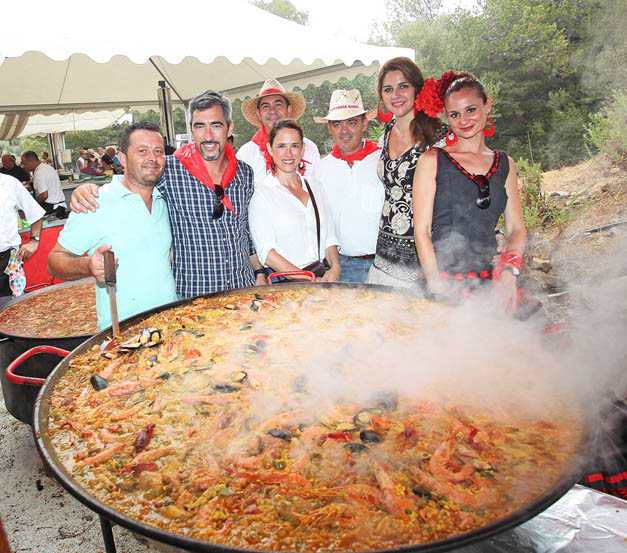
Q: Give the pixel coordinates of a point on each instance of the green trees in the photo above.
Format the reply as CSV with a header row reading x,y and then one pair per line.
x,y
548,64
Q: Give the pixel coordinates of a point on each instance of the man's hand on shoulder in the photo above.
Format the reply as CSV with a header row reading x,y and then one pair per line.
x,y
83,198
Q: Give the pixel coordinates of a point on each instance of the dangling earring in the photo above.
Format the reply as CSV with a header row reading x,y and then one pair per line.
x,y
384,117
489,131
451,138
273,168
301,167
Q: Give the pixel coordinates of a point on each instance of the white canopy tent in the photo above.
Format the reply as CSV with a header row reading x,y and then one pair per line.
x,y
16,125
80,58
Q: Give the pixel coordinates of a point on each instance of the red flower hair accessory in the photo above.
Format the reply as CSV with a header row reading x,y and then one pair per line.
x,y
431,96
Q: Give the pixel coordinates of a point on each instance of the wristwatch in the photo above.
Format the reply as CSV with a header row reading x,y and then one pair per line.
x,y
515,270
35,238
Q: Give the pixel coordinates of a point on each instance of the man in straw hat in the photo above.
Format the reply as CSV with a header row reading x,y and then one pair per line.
x,y
264,110
349,175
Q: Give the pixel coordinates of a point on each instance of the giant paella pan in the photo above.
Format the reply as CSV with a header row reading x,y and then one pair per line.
x,y
306,417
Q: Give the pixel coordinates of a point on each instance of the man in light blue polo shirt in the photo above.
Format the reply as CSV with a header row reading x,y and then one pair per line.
x,y
133,222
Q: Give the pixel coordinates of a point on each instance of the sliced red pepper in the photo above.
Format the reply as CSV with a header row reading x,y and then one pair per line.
x,y
337,436
143,438
411,435
192,355
471,437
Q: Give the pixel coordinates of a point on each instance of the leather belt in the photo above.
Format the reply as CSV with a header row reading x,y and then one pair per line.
x,y
369,256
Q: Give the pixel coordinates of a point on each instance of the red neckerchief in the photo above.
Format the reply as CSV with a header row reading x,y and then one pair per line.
x,y
369,147
191,159
261,139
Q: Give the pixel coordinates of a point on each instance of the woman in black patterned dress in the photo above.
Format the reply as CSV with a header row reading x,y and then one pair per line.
x,y
406,137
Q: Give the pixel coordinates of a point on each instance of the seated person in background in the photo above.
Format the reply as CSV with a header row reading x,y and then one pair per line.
x,y
108,164
45,158
133,221
46,184
460,191
9,167
91,164
292,237
82,161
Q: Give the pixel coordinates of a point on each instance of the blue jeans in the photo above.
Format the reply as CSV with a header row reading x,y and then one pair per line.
x,y
353,269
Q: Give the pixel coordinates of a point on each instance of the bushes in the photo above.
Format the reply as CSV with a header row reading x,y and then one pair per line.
x,y
539,209
606,132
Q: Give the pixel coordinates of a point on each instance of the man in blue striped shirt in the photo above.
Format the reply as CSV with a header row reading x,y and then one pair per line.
x,y
208,192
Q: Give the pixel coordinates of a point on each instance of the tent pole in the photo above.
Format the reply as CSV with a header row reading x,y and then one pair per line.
x,y
166,80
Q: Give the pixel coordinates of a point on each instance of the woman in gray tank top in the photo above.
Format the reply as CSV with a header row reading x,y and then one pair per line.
x,y
460,191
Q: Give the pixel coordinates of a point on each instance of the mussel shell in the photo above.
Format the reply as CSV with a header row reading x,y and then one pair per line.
x,y
300,384
239,376
164,376
281,434
108,355
153,360
132,343
98,382
337,426
225,388
417,490
363,418
254,306
387,400
203,408
370,437
356,447
246,326
191,381
257,450
135,398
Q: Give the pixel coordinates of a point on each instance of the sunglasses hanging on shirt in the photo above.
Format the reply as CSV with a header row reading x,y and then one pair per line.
x,y
482,181
218,207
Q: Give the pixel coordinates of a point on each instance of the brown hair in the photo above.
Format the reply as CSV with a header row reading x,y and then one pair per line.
x,y
466,80
424,129
285,124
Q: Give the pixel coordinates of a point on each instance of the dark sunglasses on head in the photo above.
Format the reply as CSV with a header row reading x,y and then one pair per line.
x,y
218,207
483,201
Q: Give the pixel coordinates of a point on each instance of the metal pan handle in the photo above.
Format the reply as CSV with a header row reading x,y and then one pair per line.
x,y
292,273
17,379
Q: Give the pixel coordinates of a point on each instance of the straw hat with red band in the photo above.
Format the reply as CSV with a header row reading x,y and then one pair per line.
x,y
345,104
269,88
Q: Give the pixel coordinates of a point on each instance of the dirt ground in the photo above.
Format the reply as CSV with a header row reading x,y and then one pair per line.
x,y
591,249
41,517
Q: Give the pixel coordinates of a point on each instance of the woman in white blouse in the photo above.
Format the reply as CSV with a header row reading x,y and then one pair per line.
x,y
281,215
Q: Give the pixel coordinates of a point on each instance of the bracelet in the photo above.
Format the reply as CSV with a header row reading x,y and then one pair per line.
x,y
260,272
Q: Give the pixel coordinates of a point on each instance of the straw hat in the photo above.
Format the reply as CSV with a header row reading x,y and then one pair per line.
x,y
345,104
270,87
